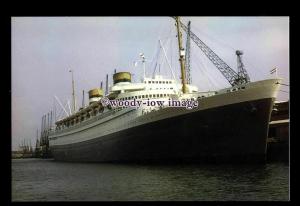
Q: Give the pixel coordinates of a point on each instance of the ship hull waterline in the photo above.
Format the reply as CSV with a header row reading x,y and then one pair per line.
x,y
231,133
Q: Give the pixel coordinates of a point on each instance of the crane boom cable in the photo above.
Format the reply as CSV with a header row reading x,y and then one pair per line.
x,y
206,73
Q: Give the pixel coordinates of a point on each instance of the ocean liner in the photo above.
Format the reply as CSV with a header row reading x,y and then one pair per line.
x,y
230,124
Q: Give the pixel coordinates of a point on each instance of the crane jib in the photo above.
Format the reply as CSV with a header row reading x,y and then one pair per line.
x,y
232,77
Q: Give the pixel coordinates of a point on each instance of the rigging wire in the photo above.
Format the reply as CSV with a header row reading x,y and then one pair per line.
x,y
172,55
155,59
211,37
249,66
205,72
208,81
203,69
211,71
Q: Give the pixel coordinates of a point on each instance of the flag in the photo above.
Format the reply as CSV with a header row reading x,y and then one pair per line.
x,y
273,71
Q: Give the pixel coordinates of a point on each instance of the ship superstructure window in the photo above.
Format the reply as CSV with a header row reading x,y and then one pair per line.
x,y
149,82
143,96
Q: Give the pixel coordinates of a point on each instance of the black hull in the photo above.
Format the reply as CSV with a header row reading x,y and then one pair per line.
x,y
236,132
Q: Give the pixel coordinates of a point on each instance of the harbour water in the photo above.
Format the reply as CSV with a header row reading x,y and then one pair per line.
x,y
48,180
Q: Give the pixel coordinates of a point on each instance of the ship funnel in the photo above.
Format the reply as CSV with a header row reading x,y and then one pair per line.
x,y
122,77
95,95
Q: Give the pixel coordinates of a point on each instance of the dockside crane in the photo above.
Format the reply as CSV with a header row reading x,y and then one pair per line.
x,y
241,68
233,77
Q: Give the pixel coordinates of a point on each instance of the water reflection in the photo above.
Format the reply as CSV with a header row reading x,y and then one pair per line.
x,y
50,180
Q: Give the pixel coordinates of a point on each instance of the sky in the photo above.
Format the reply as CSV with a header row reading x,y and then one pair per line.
x,y
44,49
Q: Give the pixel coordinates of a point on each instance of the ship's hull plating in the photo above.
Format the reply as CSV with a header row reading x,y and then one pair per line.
x,y
235,132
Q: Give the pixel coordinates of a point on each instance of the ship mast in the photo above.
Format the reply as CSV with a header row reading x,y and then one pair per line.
x,y
181,55
73,93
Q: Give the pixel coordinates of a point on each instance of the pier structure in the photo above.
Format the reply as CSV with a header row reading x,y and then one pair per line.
x,y
278,137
